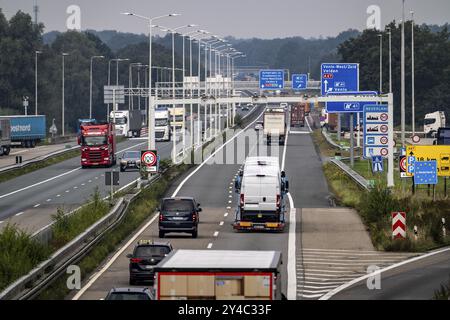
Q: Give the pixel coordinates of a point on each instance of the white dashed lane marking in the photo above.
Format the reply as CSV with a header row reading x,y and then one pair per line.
x,y
221,223
48,200
36,205
209,245
216,233
19,214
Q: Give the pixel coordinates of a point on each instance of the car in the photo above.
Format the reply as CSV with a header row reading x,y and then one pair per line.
x,y
258,126
179,214
130,159
139,294
145,256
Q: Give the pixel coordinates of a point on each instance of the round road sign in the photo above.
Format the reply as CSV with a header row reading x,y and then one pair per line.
x,y
403,164
149,158
415,139
384,128
384,140
384,152
383,117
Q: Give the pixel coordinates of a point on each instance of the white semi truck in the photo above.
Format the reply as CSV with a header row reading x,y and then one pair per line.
x,y
432,122
128,122
162,125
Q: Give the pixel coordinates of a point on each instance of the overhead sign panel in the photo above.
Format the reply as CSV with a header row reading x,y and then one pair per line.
x,y
271,79
348,107
439,153
376,130
299,81
110,91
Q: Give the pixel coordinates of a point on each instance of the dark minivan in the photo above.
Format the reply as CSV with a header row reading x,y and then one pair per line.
x,y
179,214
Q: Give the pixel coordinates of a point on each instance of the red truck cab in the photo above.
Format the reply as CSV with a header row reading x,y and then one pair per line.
x,y
98,145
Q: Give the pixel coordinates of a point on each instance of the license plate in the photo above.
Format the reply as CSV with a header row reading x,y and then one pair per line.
x,y
178,218
259,227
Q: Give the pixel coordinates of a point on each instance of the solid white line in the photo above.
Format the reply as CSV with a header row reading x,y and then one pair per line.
x,y
113,259
314,259
209,245
339,250
36,205
133,239
307,122
378,272
340,255
20,213
216,234
207,159
55,177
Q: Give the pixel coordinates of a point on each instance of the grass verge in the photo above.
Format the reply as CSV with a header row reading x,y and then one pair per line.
x,y
141,209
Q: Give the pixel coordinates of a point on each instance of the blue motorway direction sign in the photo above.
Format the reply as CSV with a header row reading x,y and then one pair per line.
x,y
350,107
299,81
377,164
339,77
425,172
271,79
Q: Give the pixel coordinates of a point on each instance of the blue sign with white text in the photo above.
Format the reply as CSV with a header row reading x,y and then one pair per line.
x,y
299,81
348,107
425,172
339,77
271,79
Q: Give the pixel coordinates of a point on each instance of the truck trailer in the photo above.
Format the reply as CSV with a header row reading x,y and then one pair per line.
x,y
275,125
128,122
27,131
219,275
298,115
5,137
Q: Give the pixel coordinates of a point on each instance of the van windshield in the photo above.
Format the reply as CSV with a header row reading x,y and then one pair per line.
x,y
177,205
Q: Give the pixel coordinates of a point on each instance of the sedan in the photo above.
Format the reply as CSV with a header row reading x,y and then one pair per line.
x,y
130,159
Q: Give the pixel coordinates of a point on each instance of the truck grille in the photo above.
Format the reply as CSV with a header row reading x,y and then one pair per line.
x,y
95,156
159,134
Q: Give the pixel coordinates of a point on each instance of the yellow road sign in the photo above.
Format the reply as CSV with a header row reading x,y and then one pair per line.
x,y
440,153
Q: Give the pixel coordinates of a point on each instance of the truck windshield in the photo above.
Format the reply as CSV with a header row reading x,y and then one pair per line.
x,y
121,120
161,122
429,121
94,141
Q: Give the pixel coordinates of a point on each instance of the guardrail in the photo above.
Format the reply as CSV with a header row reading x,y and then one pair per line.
x,y
37,159
361,181
30,285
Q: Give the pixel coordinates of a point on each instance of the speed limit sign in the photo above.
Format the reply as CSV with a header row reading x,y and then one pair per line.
x,y
149,159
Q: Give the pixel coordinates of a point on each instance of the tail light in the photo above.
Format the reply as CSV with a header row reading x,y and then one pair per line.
x,y
135,260
278,201
242,199
194,217
161,217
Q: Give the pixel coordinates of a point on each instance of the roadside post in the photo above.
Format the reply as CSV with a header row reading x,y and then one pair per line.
x,y
112,178
398,225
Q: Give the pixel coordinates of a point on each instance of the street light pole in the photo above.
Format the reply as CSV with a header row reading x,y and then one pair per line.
x,y
390,59
62,111
413,121
36,82
90,86
381,62
402,111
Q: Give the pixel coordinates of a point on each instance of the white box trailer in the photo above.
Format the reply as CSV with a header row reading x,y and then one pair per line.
x,y
219,275
275,125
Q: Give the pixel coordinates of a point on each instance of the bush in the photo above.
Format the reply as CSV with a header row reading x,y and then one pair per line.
x,y
19,254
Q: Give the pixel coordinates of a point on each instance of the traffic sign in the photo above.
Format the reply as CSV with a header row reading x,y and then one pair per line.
x,y
299,81
339,77
415,138
149,159
425,172
271,79
402,164
399,225
110,91
439,153
348,107
377,164
376,130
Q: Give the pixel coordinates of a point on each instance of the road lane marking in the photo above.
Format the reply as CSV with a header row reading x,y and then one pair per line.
x,y
48,200
209,245
230,201
228,208
221,223
216,234
58,195
58,176
67,191
90,181
75,187
36,205
83,184
20,213
1,222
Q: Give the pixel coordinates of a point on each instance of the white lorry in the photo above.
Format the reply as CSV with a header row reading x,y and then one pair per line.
x,y
275,124
162,125
432,122
128,122
262,188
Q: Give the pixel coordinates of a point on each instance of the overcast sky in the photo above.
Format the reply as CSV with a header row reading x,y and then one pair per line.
x,y
238,18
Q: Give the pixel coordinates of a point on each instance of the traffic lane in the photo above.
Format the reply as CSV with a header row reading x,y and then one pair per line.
x,y
66,193
307,184
413,281
117,275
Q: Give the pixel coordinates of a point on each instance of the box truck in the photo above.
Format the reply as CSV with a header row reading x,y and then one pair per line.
x,y
219,275
128,122
26,131
275,125
298,115
5,137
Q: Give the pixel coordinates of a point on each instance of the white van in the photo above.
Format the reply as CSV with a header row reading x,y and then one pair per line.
x,y
261,189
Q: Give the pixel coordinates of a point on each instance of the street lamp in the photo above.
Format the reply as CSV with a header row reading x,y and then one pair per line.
x,y
381,62
412,73
36,81
90,87
130,84
402,100
390,58
151,110
62,113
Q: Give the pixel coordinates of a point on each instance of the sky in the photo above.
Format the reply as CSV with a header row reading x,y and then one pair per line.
x,y
265,19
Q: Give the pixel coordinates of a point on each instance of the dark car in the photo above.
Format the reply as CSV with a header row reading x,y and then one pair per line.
x,y
136,294
145,256
179,214
130,159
